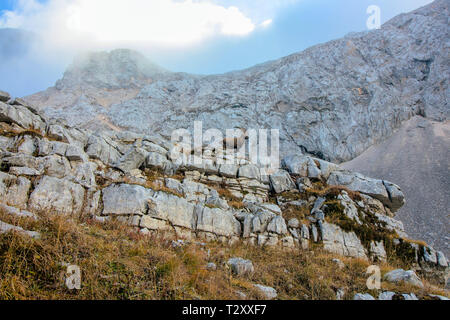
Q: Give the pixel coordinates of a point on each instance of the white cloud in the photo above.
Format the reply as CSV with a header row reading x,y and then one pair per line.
x,y
266,23
161,22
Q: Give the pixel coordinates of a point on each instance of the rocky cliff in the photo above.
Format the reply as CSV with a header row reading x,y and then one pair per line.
x,y
47,167
333,100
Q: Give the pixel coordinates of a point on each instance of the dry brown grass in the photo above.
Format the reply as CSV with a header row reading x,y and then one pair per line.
x,y
300,213
118,263
421,243
334,191
13,130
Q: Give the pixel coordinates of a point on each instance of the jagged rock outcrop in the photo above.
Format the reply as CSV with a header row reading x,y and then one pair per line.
x,y
333,100
61,172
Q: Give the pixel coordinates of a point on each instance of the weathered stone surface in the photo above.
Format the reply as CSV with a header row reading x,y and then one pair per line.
x,y
277,225
281,181
4,96
228,170
241,267
56,166
24,171
27,146
174,185
21,116
293,223
377,251
102,148
268,293
133,159
365,296
125,199
249,171
337,241
151,223
13,190
177,211
400,275
57,132
17,212
75,153
6,227
396,196
350,209
57,196
392,224
158,161
387,295
217,221
371,187
410,296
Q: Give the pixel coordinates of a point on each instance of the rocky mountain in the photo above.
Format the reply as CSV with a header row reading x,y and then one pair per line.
x,y
308,204
95,150
333,100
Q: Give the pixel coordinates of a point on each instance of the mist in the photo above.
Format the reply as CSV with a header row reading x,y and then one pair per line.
x,y
40,39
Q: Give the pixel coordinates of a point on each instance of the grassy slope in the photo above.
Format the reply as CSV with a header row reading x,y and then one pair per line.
x,y
118,263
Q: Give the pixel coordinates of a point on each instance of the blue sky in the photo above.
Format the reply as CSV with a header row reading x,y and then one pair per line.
x,y
237,37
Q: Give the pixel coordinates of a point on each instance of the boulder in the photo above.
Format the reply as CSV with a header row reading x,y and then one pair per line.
x,y
400,275
158,161
17,212
177,211
217,221
277,225
306,166
103,149
293,223
377,251
75,153
22,117
57,196
372,187
241,267
133,159
228,170
344,243
249,171
125,199
14,190
268,293
4,96
6,227
281,181
387,295
361,296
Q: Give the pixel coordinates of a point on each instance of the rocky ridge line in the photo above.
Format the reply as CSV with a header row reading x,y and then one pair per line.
x,y
46,166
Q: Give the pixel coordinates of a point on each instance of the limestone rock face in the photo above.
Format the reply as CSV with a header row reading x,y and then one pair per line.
x,y
217,221
57,196
125,199
340,242
333,100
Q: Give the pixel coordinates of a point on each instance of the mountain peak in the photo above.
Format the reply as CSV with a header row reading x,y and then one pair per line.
x,y
120,68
